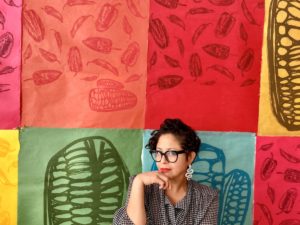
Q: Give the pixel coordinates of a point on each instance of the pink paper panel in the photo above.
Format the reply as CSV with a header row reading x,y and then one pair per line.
x,y
84,63
10,63
277,179
204,63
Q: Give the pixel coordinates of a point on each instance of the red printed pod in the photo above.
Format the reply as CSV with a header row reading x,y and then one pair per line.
x,y
6,44
171,4
169,81
288,199
109,84
225,25
109,100
33,24
107,17
221,2
99,44
217,50
159,33
74,60
195,66
246,61
131,54
42,77
292,176
268,167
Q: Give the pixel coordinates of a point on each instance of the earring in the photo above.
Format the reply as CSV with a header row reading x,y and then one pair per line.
x,y
189,172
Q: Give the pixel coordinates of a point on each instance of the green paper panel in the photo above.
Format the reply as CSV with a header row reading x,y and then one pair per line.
x,y
225,162
75,175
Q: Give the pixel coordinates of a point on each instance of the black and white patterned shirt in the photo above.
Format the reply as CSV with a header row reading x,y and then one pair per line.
x,y
198,207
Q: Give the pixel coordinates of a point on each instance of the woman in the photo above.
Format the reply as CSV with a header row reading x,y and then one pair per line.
x,y
168,196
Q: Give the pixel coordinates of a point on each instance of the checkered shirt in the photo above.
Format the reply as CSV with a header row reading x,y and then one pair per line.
x,y
198,207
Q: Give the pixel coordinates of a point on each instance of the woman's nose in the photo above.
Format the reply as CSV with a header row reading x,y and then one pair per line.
x,y
164,159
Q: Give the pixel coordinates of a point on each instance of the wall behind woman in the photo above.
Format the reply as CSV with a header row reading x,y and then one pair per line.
x,y
94,65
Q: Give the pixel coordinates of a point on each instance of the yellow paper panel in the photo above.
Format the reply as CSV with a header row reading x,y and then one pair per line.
x,y
282,51
9,149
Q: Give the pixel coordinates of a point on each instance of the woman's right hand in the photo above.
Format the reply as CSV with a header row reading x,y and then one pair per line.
x,y
154,177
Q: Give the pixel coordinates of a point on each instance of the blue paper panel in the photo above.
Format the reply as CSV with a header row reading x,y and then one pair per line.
x,y
225,162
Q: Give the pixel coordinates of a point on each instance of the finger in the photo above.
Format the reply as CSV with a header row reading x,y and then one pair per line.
x,y
162,183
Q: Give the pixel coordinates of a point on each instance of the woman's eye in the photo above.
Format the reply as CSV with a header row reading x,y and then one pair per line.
x,y
172,153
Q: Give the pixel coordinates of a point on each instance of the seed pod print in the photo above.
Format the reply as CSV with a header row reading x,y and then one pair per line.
x,y
224,25
168,81
99,44
77,24
74,60
171,4
79,3
268,167
33,24
246,61
51,11
27,53
126,26
50,57
2,20
217,50
159,33
171,61
292,176
289,157
221,2
131,55
290,222
288,199
109,84
107,16
195,66
222,70
266,213
6,44
42,77
177,21
7,70
105,65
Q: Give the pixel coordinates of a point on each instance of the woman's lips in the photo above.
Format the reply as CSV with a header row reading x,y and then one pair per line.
x,y
163,170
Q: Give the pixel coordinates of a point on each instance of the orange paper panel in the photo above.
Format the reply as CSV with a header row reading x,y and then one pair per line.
x,y
84,63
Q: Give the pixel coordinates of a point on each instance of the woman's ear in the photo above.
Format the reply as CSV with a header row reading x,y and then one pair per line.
x,y
191,156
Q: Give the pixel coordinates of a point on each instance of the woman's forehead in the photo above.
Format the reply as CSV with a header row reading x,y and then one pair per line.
x,y
168,141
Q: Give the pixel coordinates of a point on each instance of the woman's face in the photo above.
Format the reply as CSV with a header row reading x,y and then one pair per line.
x,y
168,142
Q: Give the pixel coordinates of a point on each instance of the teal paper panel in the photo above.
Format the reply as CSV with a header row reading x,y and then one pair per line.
x,y
69,176
225,162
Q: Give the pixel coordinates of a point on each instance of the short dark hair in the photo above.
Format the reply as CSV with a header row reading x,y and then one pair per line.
x,y
186,136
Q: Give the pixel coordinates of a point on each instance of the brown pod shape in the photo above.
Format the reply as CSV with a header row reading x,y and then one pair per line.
x,y
225,25
195,66
221,2
99,44
107,17
6,44
246,61
171,4
109,84
131,54
267,168
159,32
74,60
288,199
33,24
217,50
43,77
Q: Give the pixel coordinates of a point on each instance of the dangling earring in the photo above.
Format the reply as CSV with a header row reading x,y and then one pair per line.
x,y
189,172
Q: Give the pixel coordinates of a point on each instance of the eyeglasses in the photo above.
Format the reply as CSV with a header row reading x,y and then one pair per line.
x,y
171,156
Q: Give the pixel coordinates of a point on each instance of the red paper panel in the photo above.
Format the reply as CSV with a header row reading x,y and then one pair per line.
x,y
84,63
204,63
277,181
10,63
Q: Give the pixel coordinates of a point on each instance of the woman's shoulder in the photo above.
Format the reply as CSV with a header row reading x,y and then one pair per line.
x,y
204,190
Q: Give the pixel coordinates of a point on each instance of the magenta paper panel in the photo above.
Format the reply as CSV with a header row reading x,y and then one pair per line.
x,y
10,63
277,181
204,63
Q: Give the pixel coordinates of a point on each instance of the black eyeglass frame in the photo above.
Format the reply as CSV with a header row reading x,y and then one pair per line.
x,y
165,154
